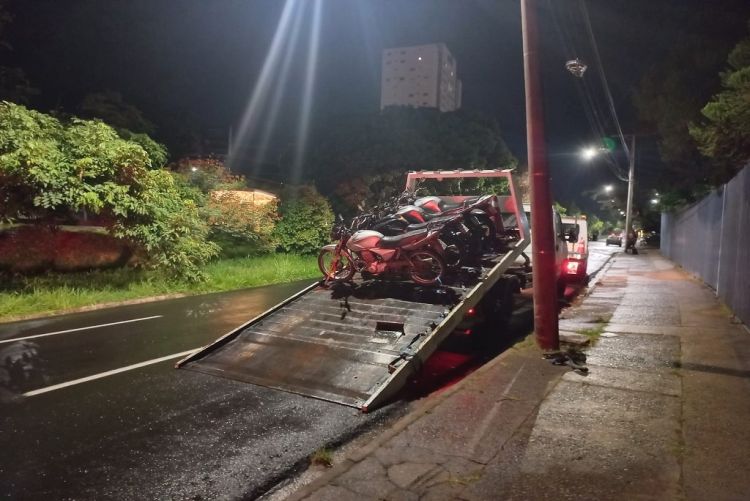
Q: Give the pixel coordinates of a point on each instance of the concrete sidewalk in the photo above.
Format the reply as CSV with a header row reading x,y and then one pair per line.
x,y
664,412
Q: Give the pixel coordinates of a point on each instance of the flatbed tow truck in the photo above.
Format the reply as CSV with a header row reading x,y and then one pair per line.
x,y
358,343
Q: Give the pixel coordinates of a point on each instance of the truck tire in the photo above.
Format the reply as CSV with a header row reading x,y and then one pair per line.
x,y
499,304
506,288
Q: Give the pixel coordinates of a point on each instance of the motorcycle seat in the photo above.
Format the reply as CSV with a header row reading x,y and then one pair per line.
x,y
403,239
449,206
437,218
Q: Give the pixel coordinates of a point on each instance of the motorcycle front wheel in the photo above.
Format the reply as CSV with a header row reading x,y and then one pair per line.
x,y
333,269
427,268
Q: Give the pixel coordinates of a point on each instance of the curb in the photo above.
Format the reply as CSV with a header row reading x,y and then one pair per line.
x,y
130,302
594,277
100,306
424,408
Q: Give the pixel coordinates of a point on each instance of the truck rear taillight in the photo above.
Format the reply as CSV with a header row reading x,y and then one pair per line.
x,y
571,267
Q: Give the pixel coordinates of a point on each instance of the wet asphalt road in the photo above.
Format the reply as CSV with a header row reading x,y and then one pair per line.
x,y
154,432
599,253
151,432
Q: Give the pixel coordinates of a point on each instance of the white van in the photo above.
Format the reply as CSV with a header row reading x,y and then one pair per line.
x,y
575,229
561,247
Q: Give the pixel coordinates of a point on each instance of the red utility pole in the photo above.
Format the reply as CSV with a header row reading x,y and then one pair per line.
x,y
543,239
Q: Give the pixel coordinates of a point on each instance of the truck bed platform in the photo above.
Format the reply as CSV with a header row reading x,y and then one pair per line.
x,y
351,343
333,344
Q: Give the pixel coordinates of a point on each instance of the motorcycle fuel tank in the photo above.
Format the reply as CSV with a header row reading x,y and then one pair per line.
x,y
363,240
431,204
411,213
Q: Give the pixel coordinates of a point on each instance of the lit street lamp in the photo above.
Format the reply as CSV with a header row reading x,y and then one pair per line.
x,y
591,152
608,189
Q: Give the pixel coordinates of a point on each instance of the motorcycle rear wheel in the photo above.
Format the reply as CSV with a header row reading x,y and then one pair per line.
x,y
427,267
344,266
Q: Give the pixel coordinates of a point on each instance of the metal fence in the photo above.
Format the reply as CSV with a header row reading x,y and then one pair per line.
x,y
711,239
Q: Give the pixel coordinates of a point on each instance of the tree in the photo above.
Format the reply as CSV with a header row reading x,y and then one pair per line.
x,y
674,89
110,107
14,84
724,134
560,209
596,225
363,158
400,139
50,171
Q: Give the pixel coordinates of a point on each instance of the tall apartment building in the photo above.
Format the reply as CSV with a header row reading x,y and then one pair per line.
x,y
420,76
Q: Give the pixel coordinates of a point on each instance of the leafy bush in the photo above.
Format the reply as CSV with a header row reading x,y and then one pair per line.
x,y
238,224
305,223
51,171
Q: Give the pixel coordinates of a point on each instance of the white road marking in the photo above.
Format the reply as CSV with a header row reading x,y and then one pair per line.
x,y
78,329
108,373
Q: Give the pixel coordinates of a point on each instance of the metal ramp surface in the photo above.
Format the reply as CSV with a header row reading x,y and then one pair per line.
x,y
334,344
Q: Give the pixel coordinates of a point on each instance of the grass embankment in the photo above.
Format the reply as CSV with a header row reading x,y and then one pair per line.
x,y
61,291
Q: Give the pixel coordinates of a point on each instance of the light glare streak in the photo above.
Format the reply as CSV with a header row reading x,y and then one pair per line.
x,y
251,117
273,113
303,127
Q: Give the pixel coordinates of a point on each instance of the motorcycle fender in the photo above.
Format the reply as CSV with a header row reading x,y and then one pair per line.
x,y
330,247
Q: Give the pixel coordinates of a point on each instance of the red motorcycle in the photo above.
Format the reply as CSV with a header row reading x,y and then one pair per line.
x,y
417,254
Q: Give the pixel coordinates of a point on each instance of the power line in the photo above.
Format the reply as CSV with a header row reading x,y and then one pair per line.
x,y
585,93
600,68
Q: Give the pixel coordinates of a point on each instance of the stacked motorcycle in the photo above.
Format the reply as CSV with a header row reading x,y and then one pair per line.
x,y
422,238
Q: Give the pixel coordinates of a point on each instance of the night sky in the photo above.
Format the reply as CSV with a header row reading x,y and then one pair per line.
x,y
198,60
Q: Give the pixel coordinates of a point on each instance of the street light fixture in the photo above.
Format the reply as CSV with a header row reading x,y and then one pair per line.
x,y
576,67
608,188
589,153
654,201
